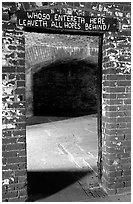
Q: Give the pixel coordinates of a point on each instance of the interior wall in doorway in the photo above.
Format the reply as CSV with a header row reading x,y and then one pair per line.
x,y
61,74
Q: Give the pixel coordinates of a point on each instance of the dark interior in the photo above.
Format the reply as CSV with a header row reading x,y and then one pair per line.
x,y
65,88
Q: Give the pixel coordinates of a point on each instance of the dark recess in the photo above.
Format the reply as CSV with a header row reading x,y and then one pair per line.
x,y
65,88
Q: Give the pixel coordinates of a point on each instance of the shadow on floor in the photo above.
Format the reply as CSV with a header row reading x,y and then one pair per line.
x,y
34,120
44,184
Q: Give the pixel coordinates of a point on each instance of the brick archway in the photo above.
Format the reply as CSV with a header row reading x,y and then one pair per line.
x,y
116,99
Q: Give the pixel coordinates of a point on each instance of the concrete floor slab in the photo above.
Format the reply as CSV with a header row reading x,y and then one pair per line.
x,y
55,142
62,159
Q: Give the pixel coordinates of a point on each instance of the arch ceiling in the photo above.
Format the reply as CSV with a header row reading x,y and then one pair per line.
x,y
42,49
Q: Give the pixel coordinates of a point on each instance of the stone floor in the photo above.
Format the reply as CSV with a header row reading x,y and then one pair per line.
x,y
62,145
61,161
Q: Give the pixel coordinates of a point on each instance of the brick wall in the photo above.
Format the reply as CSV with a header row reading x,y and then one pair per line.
x,y
14,177
116,103
116,116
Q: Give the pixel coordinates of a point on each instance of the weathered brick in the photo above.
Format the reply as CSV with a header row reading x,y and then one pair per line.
x,y
11,194
21,173
14,160
21,140
22,118
23,198
114,101
70,3
110,131
116,125
21,62
124,119
17,199
116,89
124,155
111,108
127,101
22,110
17,105
125,166
8,69
6,174
123,95
109,96
12,47
15,147
9,140
10,26
127,8
128,89
125,160
22,179
20,91
127,183
87,4
124,83
115,138
20,47
18,132
3,161
110,119
109,83
124,131
128,124
23,192
17,186
127,149
20,83
125,33
20,76
127,137
10,166
5,16
116,77
9,154
128,77
22,166
21,125
118,114
21,54
6,133
114,114
124,58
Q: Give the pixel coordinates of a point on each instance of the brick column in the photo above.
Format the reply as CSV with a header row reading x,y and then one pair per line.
x,y
116,176
13,84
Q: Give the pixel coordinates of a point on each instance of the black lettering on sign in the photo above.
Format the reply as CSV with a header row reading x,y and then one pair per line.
x,y
48,19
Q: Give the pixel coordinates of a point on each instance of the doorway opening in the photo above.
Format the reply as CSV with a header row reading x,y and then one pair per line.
x,y
63,101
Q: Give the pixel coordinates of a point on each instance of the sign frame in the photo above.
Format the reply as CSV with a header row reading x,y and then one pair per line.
x,y
49,19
